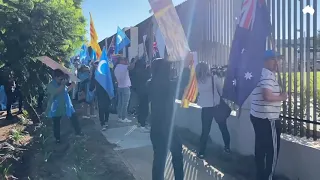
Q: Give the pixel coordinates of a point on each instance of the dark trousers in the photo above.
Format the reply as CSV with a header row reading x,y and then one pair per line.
x,y
143,109
207,114
104,109
11,98
160,150
57,123
267,146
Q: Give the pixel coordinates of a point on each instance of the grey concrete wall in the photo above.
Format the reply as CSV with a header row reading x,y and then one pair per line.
x,y
298,159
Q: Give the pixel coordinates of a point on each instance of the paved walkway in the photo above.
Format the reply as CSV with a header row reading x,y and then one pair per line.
x,y
135,149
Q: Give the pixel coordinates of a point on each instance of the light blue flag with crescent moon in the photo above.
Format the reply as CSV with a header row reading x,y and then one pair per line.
x,y
121,40
84,55
93,55
103,74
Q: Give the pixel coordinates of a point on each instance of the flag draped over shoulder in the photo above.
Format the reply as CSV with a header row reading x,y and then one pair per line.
x,y
248,47
94,38
191,92
103,74
121,40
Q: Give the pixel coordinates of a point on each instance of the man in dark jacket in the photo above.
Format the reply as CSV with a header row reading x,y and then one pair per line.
x,y
104,100
141,75
13,93
163,134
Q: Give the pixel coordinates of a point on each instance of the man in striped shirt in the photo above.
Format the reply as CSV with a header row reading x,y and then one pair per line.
x,y
265,110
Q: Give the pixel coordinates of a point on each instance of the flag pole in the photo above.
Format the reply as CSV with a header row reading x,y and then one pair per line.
x,y
273,47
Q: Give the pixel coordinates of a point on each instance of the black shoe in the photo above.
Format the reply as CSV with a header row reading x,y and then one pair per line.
x,y
227,150
9,116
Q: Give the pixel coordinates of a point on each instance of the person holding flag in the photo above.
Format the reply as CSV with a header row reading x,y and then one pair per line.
x,y
252,70
264,114
59,103
103,84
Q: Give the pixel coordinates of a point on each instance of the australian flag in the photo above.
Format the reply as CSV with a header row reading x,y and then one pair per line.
x,y
247,51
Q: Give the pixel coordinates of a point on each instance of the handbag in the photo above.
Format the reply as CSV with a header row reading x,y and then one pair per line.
x,y
222,110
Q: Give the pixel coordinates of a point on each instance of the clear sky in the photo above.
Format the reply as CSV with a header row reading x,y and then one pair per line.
x,y
108,14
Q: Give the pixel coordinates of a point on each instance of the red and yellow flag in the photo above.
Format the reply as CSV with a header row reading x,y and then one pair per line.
x,y
191,92
94,39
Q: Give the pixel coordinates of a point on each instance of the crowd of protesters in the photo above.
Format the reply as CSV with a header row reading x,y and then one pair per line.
x,y
156,88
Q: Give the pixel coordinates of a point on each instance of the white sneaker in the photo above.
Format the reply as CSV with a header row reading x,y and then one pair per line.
x,y
125,120
86,117
93,116
104,127
144,129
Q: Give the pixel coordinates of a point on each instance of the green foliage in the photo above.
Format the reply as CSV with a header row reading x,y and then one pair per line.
x,y
32,28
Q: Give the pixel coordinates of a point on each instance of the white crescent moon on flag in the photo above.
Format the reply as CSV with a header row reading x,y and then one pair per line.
x,y
100,65
120,39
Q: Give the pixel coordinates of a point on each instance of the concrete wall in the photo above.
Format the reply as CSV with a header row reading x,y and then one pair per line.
x,y
299,158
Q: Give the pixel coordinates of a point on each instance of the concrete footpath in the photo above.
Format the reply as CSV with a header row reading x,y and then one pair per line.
x,y
135,149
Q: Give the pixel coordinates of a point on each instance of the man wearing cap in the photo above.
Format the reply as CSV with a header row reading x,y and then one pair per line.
x,y
264,114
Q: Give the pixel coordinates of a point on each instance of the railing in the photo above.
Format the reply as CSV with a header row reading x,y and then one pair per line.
x,y
297,37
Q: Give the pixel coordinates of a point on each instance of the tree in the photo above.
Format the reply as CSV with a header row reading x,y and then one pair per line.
x,y
32,28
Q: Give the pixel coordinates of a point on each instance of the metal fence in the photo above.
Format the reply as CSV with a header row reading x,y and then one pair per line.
x,y
297,38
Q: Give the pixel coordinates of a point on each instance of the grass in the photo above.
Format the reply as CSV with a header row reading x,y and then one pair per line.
x,y
17,135
305,89
5,172
305,81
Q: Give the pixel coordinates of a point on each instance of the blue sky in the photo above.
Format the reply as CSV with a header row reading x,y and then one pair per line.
x,y
108,14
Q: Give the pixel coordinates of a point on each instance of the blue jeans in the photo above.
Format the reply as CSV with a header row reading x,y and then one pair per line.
x,y
123,102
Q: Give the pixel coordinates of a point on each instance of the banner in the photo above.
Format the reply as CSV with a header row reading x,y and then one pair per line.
x,y
171,29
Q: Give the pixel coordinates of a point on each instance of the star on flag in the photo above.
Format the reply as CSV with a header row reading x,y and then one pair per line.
x,y
248,75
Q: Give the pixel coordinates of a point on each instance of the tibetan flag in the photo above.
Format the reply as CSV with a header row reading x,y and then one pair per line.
x,y
247,51
191,92
121,40
94,38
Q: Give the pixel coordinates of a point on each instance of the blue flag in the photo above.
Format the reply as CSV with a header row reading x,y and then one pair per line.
x,y
84,55
121,40
247,51
103,74
93,55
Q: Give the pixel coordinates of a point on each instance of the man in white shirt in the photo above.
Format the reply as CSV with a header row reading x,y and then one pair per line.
x,y
121,73
264,114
